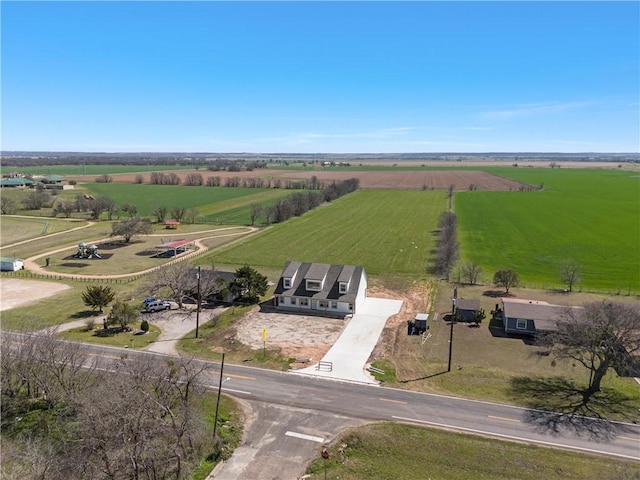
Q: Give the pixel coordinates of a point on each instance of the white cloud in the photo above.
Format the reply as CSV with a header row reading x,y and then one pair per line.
x,y
529,109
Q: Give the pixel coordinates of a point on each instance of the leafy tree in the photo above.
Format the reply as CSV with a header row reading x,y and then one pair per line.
x,y
600,336
130,228
506,278
249,285
98,296
122,314
570,274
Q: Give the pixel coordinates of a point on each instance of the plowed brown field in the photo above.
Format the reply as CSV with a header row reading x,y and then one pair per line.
x,y
376,179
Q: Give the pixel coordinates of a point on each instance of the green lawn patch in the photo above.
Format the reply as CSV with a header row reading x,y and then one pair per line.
x,y
391,451
17,229
133,339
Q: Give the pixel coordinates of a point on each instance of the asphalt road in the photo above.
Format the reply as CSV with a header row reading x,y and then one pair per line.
x,y
285,406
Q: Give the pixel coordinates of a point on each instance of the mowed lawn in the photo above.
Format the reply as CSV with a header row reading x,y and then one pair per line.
x,y
590,217
17,229
209,202
387,232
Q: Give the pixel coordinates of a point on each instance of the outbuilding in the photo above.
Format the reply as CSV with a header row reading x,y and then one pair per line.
x,y
10,264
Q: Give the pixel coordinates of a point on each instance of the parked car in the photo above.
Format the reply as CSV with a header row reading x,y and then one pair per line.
x,y
157,306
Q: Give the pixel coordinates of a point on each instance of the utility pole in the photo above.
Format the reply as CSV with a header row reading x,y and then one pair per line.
x,y
198,302
215,421
453,316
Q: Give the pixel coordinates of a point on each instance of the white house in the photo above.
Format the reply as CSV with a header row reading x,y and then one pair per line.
x,y
320,288
9,264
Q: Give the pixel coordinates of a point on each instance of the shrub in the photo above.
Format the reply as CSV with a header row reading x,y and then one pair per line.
x,y
144,326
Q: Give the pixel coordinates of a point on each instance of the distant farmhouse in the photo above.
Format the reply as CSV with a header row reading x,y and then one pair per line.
x,y
19,180
334,290
530,317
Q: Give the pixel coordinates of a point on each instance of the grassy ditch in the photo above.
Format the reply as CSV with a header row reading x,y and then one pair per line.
x,y
391,451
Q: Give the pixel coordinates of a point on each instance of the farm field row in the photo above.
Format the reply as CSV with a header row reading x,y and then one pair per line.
x,y
387,232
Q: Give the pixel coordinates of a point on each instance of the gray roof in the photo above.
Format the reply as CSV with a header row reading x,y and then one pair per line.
x,y
544,315
467,304
332,275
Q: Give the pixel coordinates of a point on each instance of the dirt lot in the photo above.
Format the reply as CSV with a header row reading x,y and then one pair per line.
x,y
15,292
412,180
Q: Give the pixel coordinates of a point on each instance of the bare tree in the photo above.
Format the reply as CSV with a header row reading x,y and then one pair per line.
x,y
8,206
506,278
256,211
97,206
64,208
178,213
130,228
600,336
194,180
570,274
129,209
104,178
471,271
447,250
161,213
36,200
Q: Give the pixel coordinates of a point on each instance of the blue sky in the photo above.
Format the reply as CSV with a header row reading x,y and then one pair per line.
x,y
331,77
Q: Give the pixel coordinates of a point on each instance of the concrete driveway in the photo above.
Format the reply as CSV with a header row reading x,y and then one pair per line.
x,y
349,355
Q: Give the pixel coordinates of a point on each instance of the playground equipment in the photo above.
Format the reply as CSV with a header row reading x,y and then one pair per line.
x,y
87,251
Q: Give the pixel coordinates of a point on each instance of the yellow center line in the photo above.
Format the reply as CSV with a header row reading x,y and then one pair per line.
x,y
392,401
241,377
628,438
504,418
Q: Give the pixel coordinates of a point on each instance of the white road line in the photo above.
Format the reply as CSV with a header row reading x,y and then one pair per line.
x,y
305,437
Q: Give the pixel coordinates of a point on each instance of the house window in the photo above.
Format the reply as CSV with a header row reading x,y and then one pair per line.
x,y
521,323
314,285
351,307
287,283
333,304
343,287
303,302
323,304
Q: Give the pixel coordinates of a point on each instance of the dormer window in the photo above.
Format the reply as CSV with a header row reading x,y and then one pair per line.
x,y
286,283
314,285
343,287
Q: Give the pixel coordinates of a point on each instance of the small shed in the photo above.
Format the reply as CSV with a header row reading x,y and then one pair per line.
x,y
10,264
418,325
171,224
467,310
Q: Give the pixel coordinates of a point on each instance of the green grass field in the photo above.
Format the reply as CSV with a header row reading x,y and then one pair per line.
x,y
17,229
387,232
213,204
586,216
92,169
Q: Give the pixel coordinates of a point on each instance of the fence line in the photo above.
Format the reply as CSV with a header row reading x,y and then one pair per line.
x,y
106,279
